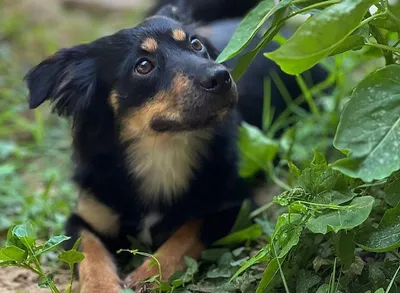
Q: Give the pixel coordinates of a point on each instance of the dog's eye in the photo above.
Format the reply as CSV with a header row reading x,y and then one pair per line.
x,y
144,66
197,45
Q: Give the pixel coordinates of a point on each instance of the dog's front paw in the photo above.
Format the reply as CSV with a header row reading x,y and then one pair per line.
x,y
100,288
138,286
135,281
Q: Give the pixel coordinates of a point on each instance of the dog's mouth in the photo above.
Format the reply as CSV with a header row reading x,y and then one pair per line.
x,y
201,116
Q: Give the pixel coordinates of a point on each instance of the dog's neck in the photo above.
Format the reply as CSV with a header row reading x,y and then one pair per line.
x,y
164,164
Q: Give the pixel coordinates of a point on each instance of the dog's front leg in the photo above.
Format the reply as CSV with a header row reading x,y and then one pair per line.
x,y
171,255
97,272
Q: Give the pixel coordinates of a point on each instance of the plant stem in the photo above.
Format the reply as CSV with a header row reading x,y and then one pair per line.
x,y
384,47
382,44
308,96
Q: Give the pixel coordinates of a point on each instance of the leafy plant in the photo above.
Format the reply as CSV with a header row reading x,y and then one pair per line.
x,y
350,205
21,250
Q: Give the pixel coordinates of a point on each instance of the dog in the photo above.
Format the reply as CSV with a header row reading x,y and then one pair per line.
x,y
206,11
155,123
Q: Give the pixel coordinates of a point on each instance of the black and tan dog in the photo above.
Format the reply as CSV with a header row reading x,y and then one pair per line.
x,y
154,138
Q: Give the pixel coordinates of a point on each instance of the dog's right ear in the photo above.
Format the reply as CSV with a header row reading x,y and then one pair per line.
x,y
68,79
181,12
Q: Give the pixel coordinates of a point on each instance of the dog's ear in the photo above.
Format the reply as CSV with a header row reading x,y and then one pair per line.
x,y
68,79
179,12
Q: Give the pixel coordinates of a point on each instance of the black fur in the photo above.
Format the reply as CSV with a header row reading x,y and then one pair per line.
x,y
79,81
209,10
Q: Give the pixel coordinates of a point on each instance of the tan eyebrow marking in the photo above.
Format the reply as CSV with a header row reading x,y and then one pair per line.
x,y
150,45
178,34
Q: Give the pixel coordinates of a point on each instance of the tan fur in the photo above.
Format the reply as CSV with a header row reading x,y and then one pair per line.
x,y
150,45
178,34
113,100
99,216
171,255
163,161
97,272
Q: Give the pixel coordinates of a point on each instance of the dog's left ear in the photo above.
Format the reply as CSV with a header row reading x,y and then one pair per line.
x,y
68,79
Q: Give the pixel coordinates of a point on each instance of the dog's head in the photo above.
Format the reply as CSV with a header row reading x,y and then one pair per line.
x,y
156,77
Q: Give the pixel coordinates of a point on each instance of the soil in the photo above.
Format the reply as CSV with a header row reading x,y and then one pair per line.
x,y
19,280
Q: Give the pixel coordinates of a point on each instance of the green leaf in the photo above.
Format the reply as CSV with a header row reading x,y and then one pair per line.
x,y
320,35
289,239
369,127
392,190
394,9
12,253
71,257
251,233
243,219
294,169
44,282
345,249
25,233
333,197
253,260
249,26
268,275
213,254
325,288
345,218
305,280
384,238
52,243
352,42
256,150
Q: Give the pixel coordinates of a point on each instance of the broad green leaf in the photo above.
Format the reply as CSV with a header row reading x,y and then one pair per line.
x,y
320,35
71,257
251,233
392,190
305,280
352,42
52,243
316,181
385,23
380,290
249,26
12,253
325,288
291,239
333,197
345,218
283,221
384,238
369,128
256,150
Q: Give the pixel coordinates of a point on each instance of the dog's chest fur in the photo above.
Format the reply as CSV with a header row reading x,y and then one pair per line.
x,y
164,164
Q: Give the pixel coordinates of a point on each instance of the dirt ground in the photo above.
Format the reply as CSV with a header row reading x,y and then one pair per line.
x,y
18,280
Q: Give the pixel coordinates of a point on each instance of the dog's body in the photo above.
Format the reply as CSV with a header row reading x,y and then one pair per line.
x,y
154,139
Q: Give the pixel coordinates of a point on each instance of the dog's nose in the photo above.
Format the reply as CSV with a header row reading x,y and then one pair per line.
x,y
216,80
